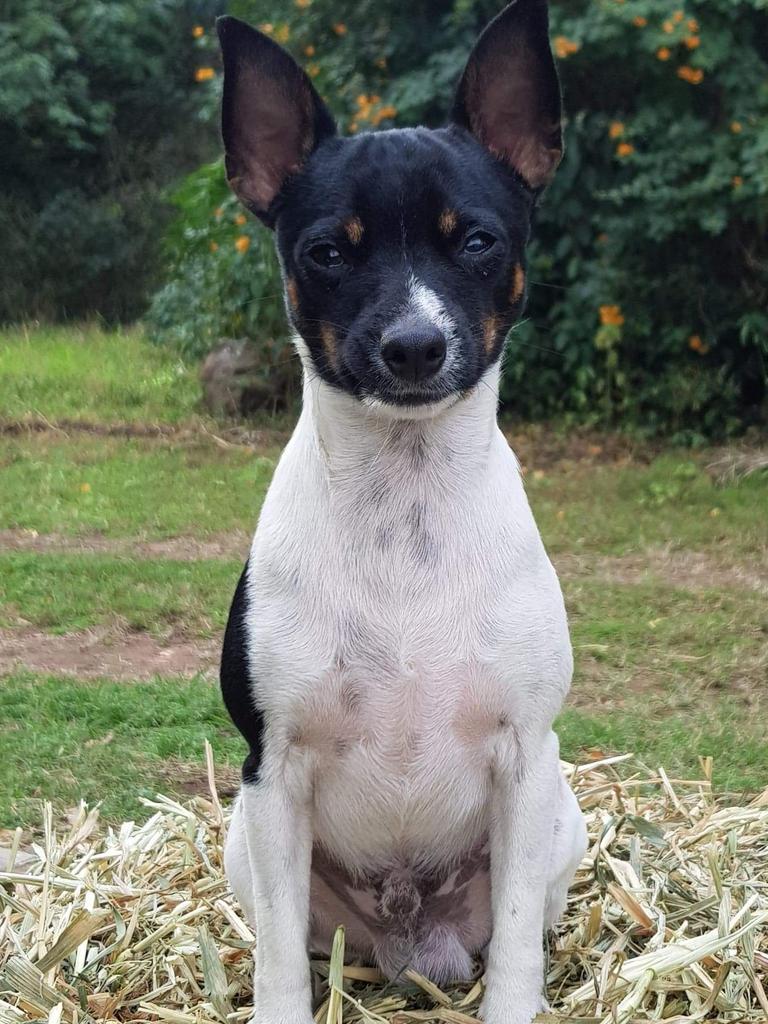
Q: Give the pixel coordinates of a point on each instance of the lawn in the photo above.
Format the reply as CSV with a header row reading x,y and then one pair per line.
x,y
112,535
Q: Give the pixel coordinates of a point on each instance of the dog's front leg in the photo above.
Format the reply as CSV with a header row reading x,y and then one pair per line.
x,y
524,791
278,827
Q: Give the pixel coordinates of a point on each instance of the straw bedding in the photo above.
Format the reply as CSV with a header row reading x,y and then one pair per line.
x,y
668,919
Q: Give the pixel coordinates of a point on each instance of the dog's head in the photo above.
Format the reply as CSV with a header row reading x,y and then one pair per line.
x,y
403,252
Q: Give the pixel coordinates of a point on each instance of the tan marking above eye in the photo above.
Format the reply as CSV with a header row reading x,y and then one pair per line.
x,y
447,222
518,284
354,230
490,330
292,291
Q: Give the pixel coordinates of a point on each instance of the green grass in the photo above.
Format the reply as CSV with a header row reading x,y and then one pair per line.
x,y
670,663
61,593
673,501
88,374
675,742
118,487
63,740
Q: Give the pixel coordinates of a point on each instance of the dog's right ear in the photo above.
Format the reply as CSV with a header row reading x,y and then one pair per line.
x,y
271,116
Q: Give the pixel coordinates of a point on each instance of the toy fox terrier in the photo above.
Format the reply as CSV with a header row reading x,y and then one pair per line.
x,y
397,648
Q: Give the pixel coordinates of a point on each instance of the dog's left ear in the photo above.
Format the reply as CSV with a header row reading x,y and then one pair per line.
x,y
509,94
271,116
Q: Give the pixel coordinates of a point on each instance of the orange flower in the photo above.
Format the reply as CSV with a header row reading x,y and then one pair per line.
x,y
313,70
198,31
669,27
214,246
218,212
639,21
204,74
692,42
354,126
85,488
267,27
611,316
564,47
381,62
616,130
242,243
677,17
302,3
693,25
737,181
309,51
240,219
663,53
383,113
283,33
737,127
697,345
625,149
693,75
340,28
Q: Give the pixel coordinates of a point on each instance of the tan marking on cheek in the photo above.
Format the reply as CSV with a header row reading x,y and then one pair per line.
x,y
328,336
490,330
354,230
447,222
518,284
292,291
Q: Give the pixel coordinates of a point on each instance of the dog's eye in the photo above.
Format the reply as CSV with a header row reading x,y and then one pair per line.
x,y
326,255
478,242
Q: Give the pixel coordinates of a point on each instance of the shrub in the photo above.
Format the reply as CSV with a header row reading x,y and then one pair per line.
x,y
98,112
649,273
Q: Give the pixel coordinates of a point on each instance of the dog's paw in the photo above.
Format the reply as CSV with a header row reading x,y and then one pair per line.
x,y
286,1016
509,1008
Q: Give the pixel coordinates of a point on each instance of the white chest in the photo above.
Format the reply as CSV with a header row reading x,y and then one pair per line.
x,y
403,613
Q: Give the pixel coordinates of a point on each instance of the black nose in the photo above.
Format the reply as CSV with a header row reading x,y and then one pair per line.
x,y
414,354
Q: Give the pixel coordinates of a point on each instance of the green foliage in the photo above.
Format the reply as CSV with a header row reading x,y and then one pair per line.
x,y
98,111
649,274
224,278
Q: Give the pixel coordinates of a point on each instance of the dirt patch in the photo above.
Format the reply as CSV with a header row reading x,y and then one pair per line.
x,y
539,447
691,570
189,780
226,436
228,546
107,654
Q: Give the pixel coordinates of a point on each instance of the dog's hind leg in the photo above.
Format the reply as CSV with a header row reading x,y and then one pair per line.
x,y
569,844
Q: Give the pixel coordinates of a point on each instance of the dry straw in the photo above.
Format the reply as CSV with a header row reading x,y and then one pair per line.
x,y
667,920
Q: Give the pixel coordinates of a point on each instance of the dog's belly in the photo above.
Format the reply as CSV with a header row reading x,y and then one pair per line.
x,y
401,816
432,920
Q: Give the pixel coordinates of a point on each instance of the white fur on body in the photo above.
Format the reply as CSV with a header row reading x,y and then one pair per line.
x,y
410,650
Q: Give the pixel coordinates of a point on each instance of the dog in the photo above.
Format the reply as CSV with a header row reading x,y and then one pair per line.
x,y
397,648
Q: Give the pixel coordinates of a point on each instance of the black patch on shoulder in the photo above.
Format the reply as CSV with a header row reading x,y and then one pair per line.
x,y
236,682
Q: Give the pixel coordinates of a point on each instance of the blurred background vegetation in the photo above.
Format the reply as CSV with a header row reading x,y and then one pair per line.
x,y
649,304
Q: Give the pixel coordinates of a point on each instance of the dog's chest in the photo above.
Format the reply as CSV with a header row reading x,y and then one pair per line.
x,y
399,628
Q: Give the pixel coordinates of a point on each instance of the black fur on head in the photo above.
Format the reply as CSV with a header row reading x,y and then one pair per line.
x,y
403,251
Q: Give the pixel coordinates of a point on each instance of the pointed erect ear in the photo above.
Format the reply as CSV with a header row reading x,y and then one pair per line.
x,y
271,116
509,94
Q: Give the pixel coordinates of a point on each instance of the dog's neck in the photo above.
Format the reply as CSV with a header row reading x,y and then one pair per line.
x,y
355,439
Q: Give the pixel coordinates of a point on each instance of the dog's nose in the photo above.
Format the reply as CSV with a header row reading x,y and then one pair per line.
x,y
414,354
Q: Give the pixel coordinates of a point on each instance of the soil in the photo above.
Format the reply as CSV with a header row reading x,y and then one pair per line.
x,y
690,570
182,549
107,654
